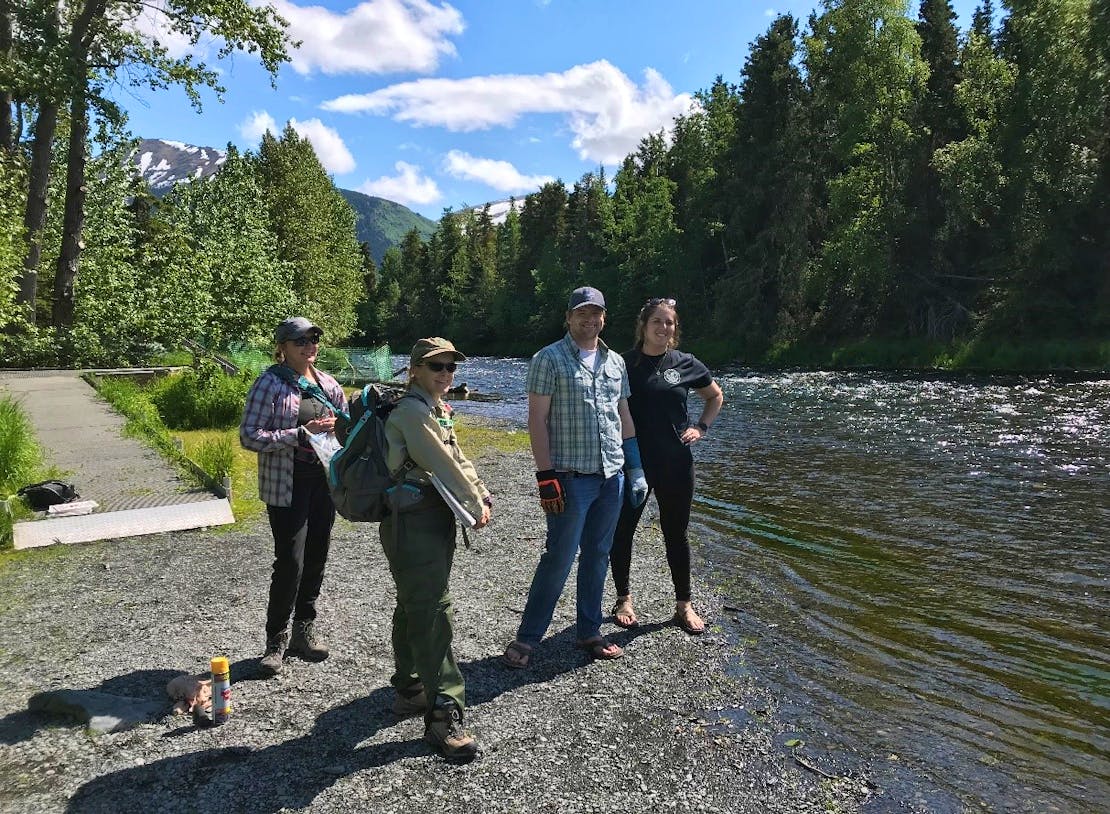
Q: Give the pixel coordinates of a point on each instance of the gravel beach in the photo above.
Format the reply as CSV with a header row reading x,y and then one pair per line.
x,y
666,728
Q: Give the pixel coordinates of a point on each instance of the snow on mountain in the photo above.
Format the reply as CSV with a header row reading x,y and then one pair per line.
x,y
499,210
163,163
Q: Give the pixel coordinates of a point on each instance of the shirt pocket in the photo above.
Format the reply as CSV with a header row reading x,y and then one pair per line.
x,y
609,385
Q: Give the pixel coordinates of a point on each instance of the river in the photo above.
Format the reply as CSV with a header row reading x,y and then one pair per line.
x,y
917,567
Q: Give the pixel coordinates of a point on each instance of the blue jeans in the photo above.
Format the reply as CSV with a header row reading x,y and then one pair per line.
x,y
587,524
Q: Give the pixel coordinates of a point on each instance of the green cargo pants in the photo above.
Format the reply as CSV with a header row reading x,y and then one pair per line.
x,y
420,548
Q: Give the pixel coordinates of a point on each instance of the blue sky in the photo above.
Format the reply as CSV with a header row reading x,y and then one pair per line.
x,y
436,104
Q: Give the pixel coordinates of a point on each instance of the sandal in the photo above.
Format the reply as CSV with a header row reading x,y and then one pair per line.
x,y
600,648
689,621
624,608
517,655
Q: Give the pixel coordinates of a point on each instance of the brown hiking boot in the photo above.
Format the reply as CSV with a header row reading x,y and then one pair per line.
x,y
305,645
275,650
443,730
411,701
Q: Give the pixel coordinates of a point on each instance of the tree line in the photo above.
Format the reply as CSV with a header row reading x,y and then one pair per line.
x,y
874,173
870,175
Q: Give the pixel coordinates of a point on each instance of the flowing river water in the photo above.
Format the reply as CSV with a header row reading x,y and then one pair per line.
x,y
919,568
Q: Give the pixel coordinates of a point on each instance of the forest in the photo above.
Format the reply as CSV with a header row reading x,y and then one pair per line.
x,y
874,176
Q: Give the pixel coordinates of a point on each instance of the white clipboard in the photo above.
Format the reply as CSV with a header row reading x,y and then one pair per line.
x,y
465,517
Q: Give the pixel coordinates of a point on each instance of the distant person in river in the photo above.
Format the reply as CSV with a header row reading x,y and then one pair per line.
x,y
583,441
291,400
419,543
661,377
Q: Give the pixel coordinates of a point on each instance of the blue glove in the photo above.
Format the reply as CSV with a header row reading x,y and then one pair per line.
x,y
637,486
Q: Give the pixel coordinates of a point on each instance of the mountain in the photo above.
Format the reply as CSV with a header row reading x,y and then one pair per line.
x,y
380,223
164,163
499,210
383,223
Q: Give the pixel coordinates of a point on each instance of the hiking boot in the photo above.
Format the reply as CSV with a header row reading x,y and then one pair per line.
x,y
275,650
443,730
305,644
411,701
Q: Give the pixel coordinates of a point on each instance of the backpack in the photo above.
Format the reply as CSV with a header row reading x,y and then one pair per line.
x,y
41,496
358,475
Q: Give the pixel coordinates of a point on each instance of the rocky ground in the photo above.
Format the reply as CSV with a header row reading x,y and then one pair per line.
x,y
669,727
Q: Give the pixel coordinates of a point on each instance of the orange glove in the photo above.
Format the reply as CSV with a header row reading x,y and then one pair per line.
x,y
551,492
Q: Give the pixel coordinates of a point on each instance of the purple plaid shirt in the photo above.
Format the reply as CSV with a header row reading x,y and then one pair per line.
x,y
269,427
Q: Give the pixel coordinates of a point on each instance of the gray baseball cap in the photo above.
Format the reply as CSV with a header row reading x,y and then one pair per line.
x,y
586,296
295,328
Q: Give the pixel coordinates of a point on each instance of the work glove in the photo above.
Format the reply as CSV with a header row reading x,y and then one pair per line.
x,y
637,486
551,492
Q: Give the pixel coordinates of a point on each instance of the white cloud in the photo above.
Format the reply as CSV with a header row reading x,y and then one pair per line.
x,y
501,175
606,111
408,186
376,36
326,141
254,128
329,147
770,13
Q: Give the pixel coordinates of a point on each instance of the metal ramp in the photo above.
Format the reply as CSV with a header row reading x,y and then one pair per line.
x,y
138,492
128,523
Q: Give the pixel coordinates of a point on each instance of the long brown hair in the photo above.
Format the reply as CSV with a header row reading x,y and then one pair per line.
x,y
647,312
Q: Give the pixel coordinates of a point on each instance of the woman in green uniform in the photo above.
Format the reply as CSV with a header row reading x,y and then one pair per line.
x,y
419,542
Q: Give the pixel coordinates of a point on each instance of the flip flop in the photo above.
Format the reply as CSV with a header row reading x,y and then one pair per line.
x,y
624,608
682,619
600,648
517,655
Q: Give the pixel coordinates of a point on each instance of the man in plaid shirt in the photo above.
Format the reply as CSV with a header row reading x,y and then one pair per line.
x,y
582,438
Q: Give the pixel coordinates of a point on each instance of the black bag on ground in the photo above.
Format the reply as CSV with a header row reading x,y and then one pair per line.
x,y
41,496
358,475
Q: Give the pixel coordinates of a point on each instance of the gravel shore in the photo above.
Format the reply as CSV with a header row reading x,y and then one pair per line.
x,y
666,728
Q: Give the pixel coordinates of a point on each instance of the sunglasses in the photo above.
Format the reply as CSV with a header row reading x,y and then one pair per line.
x,y
439,367
654,301
301,341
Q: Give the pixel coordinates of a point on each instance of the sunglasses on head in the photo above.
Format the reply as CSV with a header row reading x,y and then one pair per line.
x,y
439,367
654,301
301,341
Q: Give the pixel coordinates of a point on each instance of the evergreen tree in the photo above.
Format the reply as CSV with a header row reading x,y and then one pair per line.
x,y
315,229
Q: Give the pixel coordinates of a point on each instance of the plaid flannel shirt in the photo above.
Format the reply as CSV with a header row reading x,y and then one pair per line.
x,y
584,423
269,427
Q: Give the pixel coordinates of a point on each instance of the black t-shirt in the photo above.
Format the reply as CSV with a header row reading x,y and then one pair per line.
x,y
306,463
660,387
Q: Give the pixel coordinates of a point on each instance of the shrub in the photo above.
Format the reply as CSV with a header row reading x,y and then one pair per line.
x,y
202,398
20,454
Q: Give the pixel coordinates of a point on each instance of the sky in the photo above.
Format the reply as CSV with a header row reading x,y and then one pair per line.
x,y
435,104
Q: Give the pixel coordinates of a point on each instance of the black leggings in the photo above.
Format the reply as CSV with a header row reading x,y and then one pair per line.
x,y
674,492
302,537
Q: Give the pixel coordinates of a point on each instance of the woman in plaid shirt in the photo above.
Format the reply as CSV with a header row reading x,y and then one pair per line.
x,y
293,484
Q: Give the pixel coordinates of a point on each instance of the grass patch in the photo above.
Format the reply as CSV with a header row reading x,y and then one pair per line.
x,y
22,462
243,469
477,440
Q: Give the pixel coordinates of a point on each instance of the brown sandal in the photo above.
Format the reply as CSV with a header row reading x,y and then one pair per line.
x,y
517,655
683,620
624,608
600,648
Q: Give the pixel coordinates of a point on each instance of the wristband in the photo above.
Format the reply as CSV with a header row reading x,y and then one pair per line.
x,y
701,425
631,453
546,474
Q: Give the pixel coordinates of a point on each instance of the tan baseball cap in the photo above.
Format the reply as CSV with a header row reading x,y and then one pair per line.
x,y
433,346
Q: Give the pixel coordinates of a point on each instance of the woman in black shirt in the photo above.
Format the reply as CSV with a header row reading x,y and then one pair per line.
x,y
661,378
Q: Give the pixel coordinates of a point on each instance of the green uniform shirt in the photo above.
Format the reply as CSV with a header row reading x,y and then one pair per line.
x,y
427,436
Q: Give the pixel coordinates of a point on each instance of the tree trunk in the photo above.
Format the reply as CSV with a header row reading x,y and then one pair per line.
x,y
74,219
8,137
34,216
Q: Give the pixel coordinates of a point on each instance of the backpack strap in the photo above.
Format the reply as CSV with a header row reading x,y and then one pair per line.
x,y
307,388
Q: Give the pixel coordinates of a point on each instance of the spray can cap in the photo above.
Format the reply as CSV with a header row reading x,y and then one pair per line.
x,y
220,664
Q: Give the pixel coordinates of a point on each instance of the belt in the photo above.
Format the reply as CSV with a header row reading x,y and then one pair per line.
x,y
575,474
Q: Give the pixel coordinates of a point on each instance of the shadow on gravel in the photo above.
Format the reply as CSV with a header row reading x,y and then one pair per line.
x,y
142,686
288,775
489,677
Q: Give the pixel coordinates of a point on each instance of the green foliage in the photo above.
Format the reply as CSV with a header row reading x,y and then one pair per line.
x,y
20,454
216,455
201,398
315,229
